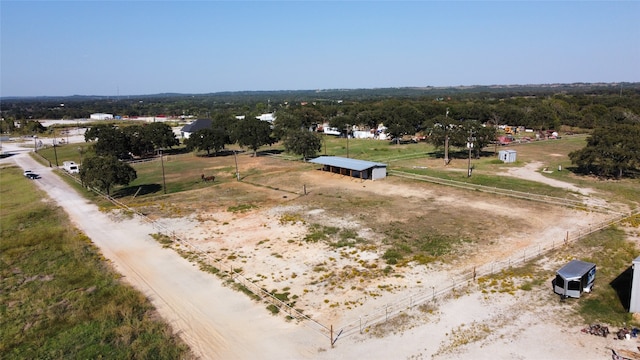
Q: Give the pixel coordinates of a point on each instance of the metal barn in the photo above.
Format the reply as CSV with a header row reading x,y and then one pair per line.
x,y
352,167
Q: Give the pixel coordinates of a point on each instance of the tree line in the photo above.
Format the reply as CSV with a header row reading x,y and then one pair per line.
x,y
445,117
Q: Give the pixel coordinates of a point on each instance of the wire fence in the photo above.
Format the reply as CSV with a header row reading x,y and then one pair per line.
x,y
506,192
222,270
406,304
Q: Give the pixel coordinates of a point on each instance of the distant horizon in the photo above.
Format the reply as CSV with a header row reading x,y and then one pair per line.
x,y
545,85
134,47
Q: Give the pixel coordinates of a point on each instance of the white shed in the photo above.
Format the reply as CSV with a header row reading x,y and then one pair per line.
x,y
634,303
507,156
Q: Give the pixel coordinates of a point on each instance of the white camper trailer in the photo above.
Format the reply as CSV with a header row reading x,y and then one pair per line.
x,y
71,167
574,278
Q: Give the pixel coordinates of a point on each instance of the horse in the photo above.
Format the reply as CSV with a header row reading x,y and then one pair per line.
x,y
207,178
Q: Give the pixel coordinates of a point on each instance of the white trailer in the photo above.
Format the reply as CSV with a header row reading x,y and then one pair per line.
x,y
574,278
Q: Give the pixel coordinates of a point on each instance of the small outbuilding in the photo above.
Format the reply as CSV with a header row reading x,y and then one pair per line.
x,y
574,278
352,167
507,156
634,303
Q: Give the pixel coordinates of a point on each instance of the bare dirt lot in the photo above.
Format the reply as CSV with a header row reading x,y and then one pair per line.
x,y
325,253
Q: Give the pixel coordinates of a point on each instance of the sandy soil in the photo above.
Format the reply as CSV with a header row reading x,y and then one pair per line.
x,y
219,323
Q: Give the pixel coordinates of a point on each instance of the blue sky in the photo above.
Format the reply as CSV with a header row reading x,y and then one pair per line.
x,y
59,48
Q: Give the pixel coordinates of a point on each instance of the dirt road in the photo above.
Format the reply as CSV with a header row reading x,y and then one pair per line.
x,y
219,323
216,322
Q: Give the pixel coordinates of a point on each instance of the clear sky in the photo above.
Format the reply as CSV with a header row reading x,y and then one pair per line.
x,y
59,48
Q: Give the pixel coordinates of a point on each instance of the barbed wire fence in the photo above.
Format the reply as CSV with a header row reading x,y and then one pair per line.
x,y
390,310
223,270
406,304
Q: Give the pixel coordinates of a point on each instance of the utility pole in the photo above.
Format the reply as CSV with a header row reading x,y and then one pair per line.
x,y
235,157
55,152
470,146
446,139
164,183
347,129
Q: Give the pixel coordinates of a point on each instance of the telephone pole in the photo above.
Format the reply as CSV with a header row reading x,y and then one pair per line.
x,y
470,146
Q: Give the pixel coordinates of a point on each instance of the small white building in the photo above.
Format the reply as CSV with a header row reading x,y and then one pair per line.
x,y
267,117
507,156
634,302
101,116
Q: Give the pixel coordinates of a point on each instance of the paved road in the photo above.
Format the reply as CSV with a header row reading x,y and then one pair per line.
x,y
216,322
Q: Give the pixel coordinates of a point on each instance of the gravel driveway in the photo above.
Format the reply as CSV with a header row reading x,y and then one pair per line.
x,y
215,321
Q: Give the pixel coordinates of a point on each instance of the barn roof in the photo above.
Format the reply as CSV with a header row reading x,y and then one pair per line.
x,y
346,163
197,125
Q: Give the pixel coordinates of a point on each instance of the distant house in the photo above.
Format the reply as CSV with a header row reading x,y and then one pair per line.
x,y
266,117
198,124
101,116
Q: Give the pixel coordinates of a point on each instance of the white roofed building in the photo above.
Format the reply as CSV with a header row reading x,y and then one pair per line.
x,y
101,116
266,117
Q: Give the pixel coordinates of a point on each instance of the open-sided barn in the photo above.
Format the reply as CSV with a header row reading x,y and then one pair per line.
x,y
352,167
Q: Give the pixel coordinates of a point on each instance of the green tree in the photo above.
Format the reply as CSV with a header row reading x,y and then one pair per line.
x,y
441,131
252,133
138,142
109,140
105,171
207,139
401,119
34,127
303,142
160,135
611,151
342,122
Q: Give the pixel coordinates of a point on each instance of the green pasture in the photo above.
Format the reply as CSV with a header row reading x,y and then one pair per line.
x,y
59,298
182,170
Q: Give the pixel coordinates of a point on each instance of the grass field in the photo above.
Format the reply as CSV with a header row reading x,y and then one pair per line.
x,y
449,235
59,298
182,171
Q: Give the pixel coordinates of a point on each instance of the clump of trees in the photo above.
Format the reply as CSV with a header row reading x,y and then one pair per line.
x,y
103,172
447,118
612,151
136,140
113,144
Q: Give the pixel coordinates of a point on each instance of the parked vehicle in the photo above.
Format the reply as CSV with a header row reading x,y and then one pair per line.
x,y
32,176
71,167
574,278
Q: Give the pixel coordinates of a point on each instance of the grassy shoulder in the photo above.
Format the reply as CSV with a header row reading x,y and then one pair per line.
x,y
59,298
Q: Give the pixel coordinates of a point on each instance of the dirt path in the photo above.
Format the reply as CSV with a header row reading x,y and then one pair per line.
x,y
530,172
219,323
216,322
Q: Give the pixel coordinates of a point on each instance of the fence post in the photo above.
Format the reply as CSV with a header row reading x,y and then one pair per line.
x,y
331,336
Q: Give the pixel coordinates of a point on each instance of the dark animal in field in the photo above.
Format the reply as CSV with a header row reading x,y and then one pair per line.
x,y
207,178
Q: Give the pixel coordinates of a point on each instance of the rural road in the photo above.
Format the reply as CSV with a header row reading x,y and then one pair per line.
x,y
215,321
